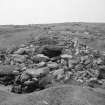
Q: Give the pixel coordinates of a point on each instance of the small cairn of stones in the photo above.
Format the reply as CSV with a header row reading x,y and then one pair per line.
x,y
31,67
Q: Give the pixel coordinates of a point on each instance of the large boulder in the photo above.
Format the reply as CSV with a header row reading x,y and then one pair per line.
x,y
36,72
19,58
29,82
22,51
66,56
40,58
52,65
41,64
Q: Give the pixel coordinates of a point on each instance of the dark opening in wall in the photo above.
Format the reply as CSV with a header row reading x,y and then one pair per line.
x,y
52,51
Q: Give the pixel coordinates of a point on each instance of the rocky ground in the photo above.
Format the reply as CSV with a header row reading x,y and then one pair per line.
x,y
59,68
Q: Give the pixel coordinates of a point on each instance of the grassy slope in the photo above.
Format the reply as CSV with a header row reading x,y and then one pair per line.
x,y
61,95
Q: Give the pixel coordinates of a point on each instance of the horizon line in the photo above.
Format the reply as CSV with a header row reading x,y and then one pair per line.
x,y
53,23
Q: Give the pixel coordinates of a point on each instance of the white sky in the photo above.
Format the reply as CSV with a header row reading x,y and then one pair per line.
x,y
51,11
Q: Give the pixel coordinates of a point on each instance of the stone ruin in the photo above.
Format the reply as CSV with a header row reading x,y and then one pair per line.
x,y
32,67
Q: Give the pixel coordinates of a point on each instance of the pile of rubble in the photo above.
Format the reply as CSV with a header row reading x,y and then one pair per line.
x,y
36,67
